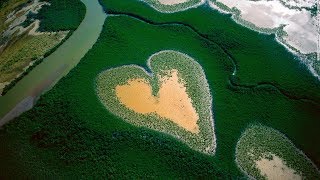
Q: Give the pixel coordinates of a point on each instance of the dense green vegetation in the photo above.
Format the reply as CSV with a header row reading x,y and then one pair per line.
x,y
36,60
29,48
20,50
259,57
258,141
61,15
196,88
118,148
69,133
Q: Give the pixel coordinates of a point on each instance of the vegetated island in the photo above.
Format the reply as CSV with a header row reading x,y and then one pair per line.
x,y
174,99
264,153
29,32
172,6
69,132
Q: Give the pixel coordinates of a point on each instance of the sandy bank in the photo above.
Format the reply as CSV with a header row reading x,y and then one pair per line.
x,y
172,6
172,2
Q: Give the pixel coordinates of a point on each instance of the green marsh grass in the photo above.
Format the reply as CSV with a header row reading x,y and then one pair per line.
x,y
25,51
258,141
71,133
196,87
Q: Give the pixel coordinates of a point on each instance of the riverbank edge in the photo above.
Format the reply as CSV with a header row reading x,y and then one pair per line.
x,y
36,62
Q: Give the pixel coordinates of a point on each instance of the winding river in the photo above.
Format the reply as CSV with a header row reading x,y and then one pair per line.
x,y
44,76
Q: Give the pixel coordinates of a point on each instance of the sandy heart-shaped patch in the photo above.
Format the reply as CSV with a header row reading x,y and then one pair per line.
x,y
174,99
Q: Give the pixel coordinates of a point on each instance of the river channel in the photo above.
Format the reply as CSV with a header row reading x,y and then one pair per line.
x,y
44,76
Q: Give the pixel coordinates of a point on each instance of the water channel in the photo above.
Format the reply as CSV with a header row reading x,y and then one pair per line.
x,y
44,76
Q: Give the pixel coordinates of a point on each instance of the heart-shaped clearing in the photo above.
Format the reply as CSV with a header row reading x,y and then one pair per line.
x,y
175,99
172,101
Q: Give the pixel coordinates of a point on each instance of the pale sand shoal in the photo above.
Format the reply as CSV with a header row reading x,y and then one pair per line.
x,y
172,2
172,101
276,169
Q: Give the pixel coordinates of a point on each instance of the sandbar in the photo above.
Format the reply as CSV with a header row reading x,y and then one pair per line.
x,y
172,2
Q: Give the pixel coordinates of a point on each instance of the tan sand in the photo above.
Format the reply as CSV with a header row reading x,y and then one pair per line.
x,y
172,2
276,169
172,101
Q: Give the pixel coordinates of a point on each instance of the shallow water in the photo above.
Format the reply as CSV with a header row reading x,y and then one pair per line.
x,y
66,56
300,25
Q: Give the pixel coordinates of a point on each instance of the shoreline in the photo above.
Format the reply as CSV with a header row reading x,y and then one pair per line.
x,y
56,65
154,6
23,106
31,30
278,32
33,64
27,103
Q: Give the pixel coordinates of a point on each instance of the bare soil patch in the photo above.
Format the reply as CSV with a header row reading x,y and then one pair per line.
x,y
171,103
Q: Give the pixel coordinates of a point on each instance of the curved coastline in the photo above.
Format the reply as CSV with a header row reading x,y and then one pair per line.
x,y
175,7
306,57
55,66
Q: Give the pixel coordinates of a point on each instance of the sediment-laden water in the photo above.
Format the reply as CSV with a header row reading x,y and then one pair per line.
x,y
55,66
